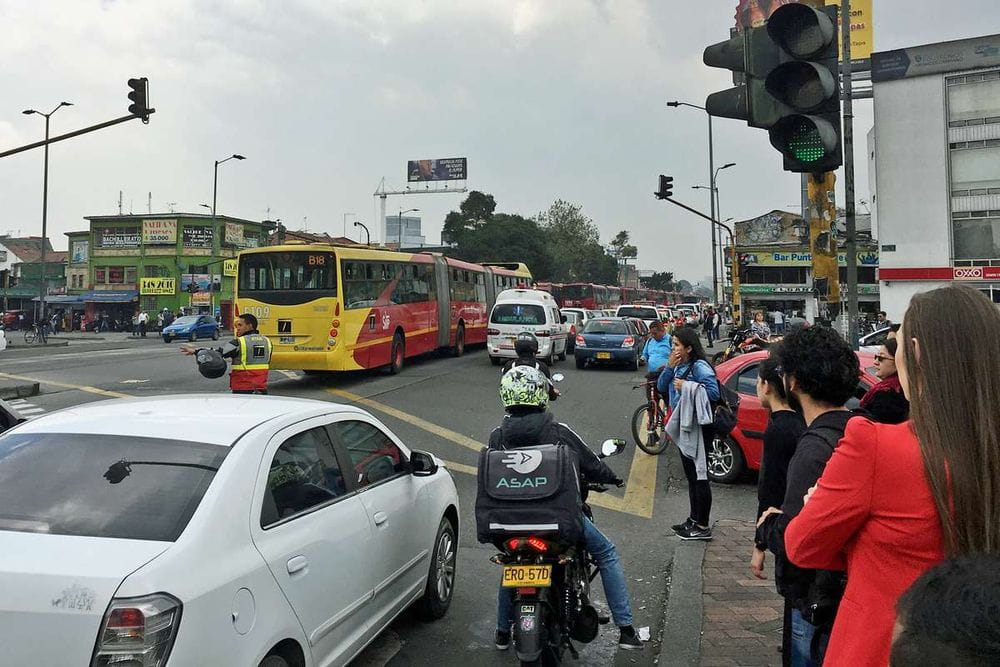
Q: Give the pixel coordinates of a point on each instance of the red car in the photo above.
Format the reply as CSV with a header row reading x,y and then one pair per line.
x,y
728,458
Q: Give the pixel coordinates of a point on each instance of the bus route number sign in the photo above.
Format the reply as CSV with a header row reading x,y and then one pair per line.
x,y
317,260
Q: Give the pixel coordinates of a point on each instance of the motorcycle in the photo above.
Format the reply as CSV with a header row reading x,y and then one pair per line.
x,y
552,606
741,341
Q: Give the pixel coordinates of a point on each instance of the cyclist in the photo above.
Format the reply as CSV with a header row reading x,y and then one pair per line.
x,y
524,394
656,352
526,347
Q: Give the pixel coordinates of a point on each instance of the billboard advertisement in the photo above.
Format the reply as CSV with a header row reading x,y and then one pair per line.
x,y
118,237
804,258
159,232
233,234
157,286
445,169
80,252
198,237
206,282
754,14
229,268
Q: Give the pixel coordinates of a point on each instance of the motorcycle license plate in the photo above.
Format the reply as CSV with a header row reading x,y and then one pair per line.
x,y
603,355
515,576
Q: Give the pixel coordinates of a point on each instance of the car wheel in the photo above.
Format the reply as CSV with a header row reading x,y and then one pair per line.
x,y
725,460
193,337
215,334
581,363
168,339
274,661
441,578
397,354
633,365
562,355
459,348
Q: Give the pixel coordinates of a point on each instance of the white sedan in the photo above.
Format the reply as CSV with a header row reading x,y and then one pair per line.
x,y
215,530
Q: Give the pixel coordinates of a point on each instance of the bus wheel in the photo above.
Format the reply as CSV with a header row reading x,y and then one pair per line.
x,y
459,348
397,354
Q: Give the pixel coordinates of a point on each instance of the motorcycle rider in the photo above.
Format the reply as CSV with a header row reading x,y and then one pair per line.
x,y
524,392
526,347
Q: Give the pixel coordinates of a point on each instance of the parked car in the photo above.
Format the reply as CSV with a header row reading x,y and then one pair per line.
x,y
191,327
729,457
216,530
608,340
9,318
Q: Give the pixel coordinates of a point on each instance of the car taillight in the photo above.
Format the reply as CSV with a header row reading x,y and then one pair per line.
x,y
628,342
543,333
492,332
580,341
138,631
538,545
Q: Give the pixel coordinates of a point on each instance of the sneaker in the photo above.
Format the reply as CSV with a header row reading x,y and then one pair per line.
x,y
695,532
503,640
678,527
628,639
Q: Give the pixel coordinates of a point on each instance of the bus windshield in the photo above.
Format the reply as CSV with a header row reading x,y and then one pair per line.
x,y
287,278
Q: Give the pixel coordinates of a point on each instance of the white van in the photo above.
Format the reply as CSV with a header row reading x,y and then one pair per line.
x,y
518,310
647,314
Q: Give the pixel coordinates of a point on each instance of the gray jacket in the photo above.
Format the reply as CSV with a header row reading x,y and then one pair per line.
x,y
684,427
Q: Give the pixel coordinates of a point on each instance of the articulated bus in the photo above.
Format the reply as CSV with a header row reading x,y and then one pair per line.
x,y
337,308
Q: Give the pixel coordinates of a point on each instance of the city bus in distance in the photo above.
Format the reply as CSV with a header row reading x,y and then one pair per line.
x,y
340,308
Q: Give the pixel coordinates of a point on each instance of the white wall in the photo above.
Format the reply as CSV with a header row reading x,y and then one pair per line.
x,y
896,296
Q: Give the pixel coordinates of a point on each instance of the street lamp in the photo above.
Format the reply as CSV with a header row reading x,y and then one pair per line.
x,y
400,222
215,180
45,201
711,171
368,235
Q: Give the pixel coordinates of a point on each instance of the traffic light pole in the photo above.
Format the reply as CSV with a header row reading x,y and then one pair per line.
x,y
848,115
70,135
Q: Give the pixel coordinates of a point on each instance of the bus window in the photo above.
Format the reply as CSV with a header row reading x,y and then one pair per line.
x,y
287,277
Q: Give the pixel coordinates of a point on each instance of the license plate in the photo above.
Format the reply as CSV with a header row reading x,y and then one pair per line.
x,y
603,355
508,344
515,576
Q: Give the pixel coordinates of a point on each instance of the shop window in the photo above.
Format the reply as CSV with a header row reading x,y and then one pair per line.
x,y
976,238
130,275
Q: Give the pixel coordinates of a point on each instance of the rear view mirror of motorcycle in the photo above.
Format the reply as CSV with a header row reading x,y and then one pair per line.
x,y
612,447
558,377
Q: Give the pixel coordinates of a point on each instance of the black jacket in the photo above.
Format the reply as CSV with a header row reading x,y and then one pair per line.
x,y
784,429
530,429
813,451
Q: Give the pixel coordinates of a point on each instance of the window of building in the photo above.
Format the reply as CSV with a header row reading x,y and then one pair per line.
x,y
197,268
976,236
866,275
100,275
148,304
765,275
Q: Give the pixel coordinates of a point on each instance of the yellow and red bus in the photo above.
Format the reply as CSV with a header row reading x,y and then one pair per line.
x,y
341,308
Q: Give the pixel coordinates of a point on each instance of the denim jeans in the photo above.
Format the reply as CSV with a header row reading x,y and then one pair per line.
x,y
612,577
802,637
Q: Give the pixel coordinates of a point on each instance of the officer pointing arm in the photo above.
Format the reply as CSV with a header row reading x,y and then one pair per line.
x,y
250,353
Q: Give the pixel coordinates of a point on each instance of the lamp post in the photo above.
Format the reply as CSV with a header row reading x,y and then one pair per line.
x,y
400,222
368,235
215,179
716,206
45,202
711,173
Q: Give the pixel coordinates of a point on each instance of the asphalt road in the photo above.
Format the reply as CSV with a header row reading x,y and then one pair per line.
x,y
446,406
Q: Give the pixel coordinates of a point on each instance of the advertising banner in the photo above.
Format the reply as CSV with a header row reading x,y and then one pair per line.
x,y
804,258
80,252
754,14
234,234
157,286
198,237
201,299
229,268
205,282
445,169
118,237
159,232
937,58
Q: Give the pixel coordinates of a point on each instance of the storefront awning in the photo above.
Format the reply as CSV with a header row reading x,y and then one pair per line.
x,y
111,296
62,298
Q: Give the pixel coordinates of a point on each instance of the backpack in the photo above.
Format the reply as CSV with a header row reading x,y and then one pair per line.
x,y
529,490
723,410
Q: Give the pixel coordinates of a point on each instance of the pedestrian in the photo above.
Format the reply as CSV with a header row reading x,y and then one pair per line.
x,y
820,373
784,428
135,325
143,322
882,321
779,322
20,320
759,328
688,371
948,616
716,324
709,326
250,353
895,499
885,401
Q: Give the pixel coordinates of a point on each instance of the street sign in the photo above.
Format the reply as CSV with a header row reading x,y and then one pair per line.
x,y
229,268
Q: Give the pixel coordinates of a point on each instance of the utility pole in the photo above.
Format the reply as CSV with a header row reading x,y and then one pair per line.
x,y
848,115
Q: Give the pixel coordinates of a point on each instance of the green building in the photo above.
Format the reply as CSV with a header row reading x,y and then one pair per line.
x,y
177,261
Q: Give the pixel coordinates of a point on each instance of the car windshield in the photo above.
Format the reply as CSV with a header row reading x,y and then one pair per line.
x,y
616,327
517,313
637,311
77,484
187,319
572,318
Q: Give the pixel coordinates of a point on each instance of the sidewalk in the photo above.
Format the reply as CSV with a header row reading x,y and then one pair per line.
x,y
742,614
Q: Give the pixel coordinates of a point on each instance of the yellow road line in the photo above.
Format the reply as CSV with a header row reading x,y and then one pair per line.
x,y
66,385
639,491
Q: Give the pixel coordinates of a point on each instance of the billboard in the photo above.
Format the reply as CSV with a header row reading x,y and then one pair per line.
x,y
804,258
206,282
939,58
118,237
754,14
229,268
198,237
157,286
445,169
159,232
80,252
233,234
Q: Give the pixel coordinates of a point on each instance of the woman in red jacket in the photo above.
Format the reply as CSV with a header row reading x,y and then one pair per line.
x,y
895,499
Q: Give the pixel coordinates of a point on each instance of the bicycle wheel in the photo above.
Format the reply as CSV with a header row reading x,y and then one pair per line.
x,y
650,440
29,336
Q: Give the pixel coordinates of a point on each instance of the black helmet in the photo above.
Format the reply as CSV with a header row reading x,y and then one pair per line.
x,y
526,344
210,363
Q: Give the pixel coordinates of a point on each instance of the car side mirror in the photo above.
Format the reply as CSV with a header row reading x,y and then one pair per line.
x,y
558,377
422,464
612,447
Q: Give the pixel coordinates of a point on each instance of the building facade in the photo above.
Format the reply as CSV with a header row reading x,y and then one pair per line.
x,y
404,231
935,153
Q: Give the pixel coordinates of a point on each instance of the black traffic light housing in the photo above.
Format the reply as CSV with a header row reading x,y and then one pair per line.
x,y
666,189
139,98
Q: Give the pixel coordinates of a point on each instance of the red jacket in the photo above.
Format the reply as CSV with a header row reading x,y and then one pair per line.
x,y
873,515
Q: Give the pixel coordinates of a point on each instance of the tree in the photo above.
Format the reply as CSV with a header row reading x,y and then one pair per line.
x,y
575,245
621,249
683,286
661,280
476,210
507,238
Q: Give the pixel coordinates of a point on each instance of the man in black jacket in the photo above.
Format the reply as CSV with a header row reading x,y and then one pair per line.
x,y
524,392
821,373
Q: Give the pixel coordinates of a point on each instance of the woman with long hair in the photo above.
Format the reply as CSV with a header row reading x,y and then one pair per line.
x,y
687,363
895,499
885,401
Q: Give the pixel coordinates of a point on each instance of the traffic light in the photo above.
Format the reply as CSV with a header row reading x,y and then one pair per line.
x,y
790,87
139,96
666,189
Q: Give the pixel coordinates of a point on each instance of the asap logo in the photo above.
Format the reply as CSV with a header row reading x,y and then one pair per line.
x,y
522,462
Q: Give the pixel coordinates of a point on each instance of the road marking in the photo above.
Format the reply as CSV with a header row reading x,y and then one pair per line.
x,y
639,491
66,385
75,355
26,409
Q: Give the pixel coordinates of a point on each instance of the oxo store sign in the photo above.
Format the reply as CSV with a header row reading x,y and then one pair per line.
x,y
976,273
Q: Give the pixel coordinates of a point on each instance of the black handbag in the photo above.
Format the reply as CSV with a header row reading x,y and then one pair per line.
x,y
724,409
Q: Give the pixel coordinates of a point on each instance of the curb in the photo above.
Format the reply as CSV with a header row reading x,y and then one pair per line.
x,y
681,641
25,346
15,391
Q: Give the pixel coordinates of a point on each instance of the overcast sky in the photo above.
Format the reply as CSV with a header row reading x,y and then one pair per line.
x,y
547,98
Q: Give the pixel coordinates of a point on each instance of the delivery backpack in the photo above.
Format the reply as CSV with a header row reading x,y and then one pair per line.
x,y
529,490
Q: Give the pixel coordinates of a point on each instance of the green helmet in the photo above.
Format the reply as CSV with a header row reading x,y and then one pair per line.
x,y
524,386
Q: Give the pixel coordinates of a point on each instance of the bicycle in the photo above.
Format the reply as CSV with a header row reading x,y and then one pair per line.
x,y
34,333
649,421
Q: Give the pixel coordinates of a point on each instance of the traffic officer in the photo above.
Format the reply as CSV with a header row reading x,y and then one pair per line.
x,y
250,353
